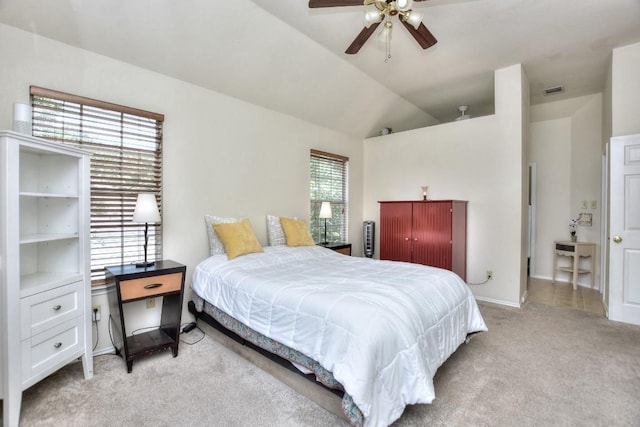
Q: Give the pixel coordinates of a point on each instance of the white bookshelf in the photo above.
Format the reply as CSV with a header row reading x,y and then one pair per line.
x,y
44,264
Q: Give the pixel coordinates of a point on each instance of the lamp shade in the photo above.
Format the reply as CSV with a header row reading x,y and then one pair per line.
x,y
372,17
325,210
413,18
403,5
146,208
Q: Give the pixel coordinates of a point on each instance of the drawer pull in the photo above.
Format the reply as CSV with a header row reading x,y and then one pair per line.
x,y
153,285
57,307
58,345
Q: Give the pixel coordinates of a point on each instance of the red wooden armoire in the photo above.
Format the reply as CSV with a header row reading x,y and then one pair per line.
x,y
430,232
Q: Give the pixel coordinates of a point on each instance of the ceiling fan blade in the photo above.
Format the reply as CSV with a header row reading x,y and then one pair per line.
x,y
333,3
422,35
361,39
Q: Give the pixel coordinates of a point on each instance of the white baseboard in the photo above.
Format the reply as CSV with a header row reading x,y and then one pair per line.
x,y
497,301
584,285
103,351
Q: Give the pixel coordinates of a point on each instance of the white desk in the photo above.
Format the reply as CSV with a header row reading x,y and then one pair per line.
x,y
575,250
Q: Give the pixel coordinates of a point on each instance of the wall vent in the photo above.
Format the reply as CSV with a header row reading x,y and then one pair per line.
x,y
554,90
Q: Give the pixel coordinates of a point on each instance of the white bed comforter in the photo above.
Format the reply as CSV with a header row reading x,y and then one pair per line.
x,y
382,327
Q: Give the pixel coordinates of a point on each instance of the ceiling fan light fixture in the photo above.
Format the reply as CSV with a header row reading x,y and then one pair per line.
x,y
386,10
413,18
403,5
372,17
463,116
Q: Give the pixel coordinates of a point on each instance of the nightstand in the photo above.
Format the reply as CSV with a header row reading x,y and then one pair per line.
x,y
574,250
163,279
342,247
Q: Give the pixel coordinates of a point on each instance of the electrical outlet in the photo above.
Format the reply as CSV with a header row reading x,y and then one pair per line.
x,y
96,312
594,204
585,204
489,275
151,302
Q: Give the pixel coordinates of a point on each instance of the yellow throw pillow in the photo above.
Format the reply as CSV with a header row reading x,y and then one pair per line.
x,y
238,238
296,232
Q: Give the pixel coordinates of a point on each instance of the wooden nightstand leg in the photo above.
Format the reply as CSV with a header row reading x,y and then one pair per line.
x,y
129,366
576,263
593,270
174,350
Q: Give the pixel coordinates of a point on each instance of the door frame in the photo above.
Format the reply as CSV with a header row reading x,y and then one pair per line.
x,y
532,218
604,229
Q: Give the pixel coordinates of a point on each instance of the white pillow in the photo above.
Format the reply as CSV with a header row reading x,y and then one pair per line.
x,y
274,231
215,245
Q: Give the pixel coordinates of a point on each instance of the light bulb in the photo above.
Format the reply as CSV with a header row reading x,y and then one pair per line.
x,y
372,17
413,18
403,5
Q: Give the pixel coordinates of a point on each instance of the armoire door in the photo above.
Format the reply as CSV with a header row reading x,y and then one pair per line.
x,y
395,231
432,234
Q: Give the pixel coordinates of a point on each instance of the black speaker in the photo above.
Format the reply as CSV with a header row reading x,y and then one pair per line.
x,y
368,237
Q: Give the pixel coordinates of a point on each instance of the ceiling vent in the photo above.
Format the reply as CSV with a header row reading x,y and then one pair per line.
x,y
554,90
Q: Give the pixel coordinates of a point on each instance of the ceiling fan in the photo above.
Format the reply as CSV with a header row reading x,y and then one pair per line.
x,y
411,20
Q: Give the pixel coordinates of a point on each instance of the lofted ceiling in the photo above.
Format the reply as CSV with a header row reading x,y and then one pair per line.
x,y
286,57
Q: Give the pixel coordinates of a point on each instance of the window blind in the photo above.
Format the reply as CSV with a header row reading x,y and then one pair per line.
x,y
126,144
329,183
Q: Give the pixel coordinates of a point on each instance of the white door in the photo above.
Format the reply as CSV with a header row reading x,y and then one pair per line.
x,y
624,230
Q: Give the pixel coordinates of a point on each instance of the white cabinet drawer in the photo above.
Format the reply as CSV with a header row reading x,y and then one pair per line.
x,y
42,311
48,351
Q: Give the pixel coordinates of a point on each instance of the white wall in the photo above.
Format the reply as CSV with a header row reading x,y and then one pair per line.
x,y
586,168
221,155
525,134
566,145
478,160
551,152
625,90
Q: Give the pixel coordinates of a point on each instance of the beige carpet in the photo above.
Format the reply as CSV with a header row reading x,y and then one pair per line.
x,y
537,366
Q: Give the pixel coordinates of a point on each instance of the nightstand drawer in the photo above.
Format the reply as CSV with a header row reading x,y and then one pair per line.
x,y
344,251
340,247
150,286
42,311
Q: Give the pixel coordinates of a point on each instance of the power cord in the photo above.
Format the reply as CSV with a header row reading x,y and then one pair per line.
x,y
489,277
95,322
477,284
187,330
146,328
110,335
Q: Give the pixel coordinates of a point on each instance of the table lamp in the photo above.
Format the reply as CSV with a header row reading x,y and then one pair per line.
x,y
325,212
146,211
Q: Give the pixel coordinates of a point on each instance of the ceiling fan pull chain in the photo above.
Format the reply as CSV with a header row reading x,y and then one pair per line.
x,y
388,47
387,29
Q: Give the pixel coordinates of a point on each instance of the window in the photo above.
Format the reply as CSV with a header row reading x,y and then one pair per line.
x,y
126,144
329,183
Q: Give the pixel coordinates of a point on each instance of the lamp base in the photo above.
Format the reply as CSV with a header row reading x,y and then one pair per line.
x,y
145,264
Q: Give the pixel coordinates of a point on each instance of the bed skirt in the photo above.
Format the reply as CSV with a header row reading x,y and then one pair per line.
x,y
323,376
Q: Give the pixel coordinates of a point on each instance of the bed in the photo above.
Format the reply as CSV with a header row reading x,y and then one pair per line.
x,y
378,330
